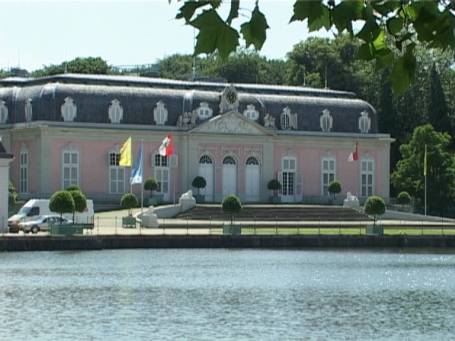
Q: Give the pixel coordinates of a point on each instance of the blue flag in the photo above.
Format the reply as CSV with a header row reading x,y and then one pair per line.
x,y
136,171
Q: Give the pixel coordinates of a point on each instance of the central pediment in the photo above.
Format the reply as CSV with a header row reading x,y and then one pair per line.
x,y
231,123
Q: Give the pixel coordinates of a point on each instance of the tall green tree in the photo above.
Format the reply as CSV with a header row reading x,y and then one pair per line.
x,y
438,111
88,65
409,173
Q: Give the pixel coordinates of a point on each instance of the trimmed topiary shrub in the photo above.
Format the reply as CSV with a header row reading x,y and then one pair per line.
x,y
375,206
73,188
62,202
403,198
334,188
129,201
150,185
199,182
274,185
232,205
80,202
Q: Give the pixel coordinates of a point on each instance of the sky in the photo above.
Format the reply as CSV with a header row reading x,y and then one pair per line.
x,y
123,32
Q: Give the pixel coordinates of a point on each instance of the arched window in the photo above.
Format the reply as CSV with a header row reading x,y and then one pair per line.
x,y
204,111
326,121
28,110
205,159
3,112
364,122
252,161
285,119
115,111
160,113
228,160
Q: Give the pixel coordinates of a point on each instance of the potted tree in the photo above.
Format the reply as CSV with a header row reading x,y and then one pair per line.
x,y
61,202
73,188
231,205
151,185
375,206
129,201
274,185
404,201
199,182
80,204
334,188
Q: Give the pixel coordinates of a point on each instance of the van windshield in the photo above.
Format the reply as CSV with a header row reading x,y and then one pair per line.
x,y
29,211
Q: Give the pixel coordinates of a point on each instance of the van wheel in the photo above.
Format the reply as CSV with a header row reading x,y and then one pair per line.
x,y
35,229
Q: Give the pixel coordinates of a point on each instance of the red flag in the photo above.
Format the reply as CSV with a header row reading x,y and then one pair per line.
x,y
167,146
354,156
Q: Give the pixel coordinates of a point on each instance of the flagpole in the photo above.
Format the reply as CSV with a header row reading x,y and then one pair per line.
x,y
425,173
142,182
131,167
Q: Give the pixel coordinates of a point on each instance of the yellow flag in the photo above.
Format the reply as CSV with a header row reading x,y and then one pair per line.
x,y
125,154
425,162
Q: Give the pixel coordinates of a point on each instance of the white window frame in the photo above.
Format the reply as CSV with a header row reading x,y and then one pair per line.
x,y
285,119
158,167
23,171
366,171
117,170
330,171
286,162
70,166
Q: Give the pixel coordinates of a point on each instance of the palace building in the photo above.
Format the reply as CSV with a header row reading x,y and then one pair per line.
x,y
68,129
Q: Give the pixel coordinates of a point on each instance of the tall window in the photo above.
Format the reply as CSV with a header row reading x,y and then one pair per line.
x,y
366,177
23,180
116,174
162,173
289,168
328,173
285,119
70,168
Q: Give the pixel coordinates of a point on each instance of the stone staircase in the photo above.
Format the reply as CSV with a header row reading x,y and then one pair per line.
x,y
277,213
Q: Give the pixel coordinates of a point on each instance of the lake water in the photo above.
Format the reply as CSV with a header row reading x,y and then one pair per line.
x,y
227,295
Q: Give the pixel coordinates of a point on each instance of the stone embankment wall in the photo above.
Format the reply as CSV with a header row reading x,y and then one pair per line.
x,y
46,243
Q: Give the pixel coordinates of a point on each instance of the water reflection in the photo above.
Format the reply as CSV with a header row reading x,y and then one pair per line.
x,y
226,295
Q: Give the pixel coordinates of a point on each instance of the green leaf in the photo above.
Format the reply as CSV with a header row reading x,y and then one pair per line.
x,y
214,34
379,43
315,11
365,52
370,29
345,12
234,11
394,25
254,31
188,8
403,72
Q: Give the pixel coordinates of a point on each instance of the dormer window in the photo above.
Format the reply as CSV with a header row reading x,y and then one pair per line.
x,y
288,120
326,121
3,112
204,112
160,113
28,110
115,111
364,122
68,110
251,113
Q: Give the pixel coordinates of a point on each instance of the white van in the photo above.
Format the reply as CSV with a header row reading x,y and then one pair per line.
x,y
38,207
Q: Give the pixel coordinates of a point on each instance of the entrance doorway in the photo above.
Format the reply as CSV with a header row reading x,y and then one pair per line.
x,y
252,178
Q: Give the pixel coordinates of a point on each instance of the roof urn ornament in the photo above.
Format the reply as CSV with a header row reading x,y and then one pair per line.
x,y
115,111
68,110
364,122
326,121
229,100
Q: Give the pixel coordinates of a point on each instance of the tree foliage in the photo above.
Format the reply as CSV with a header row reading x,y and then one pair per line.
x,y
199,182
334,187
409,173
231,204
404,198
129,201
150,185
62,202
375,206
12,194
388,34
88,65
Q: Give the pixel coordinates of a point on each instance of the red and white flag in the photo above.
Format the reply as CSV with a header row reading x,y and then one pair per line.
x,y
354,156
167,146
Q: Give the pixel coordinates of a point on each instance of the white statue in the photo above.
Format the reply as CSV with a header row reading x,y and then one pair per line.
x,y
269,121
351,201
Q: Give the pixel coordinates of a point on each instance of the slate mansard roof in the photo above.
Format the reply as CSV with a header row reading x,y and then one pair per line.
x,y
138,96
